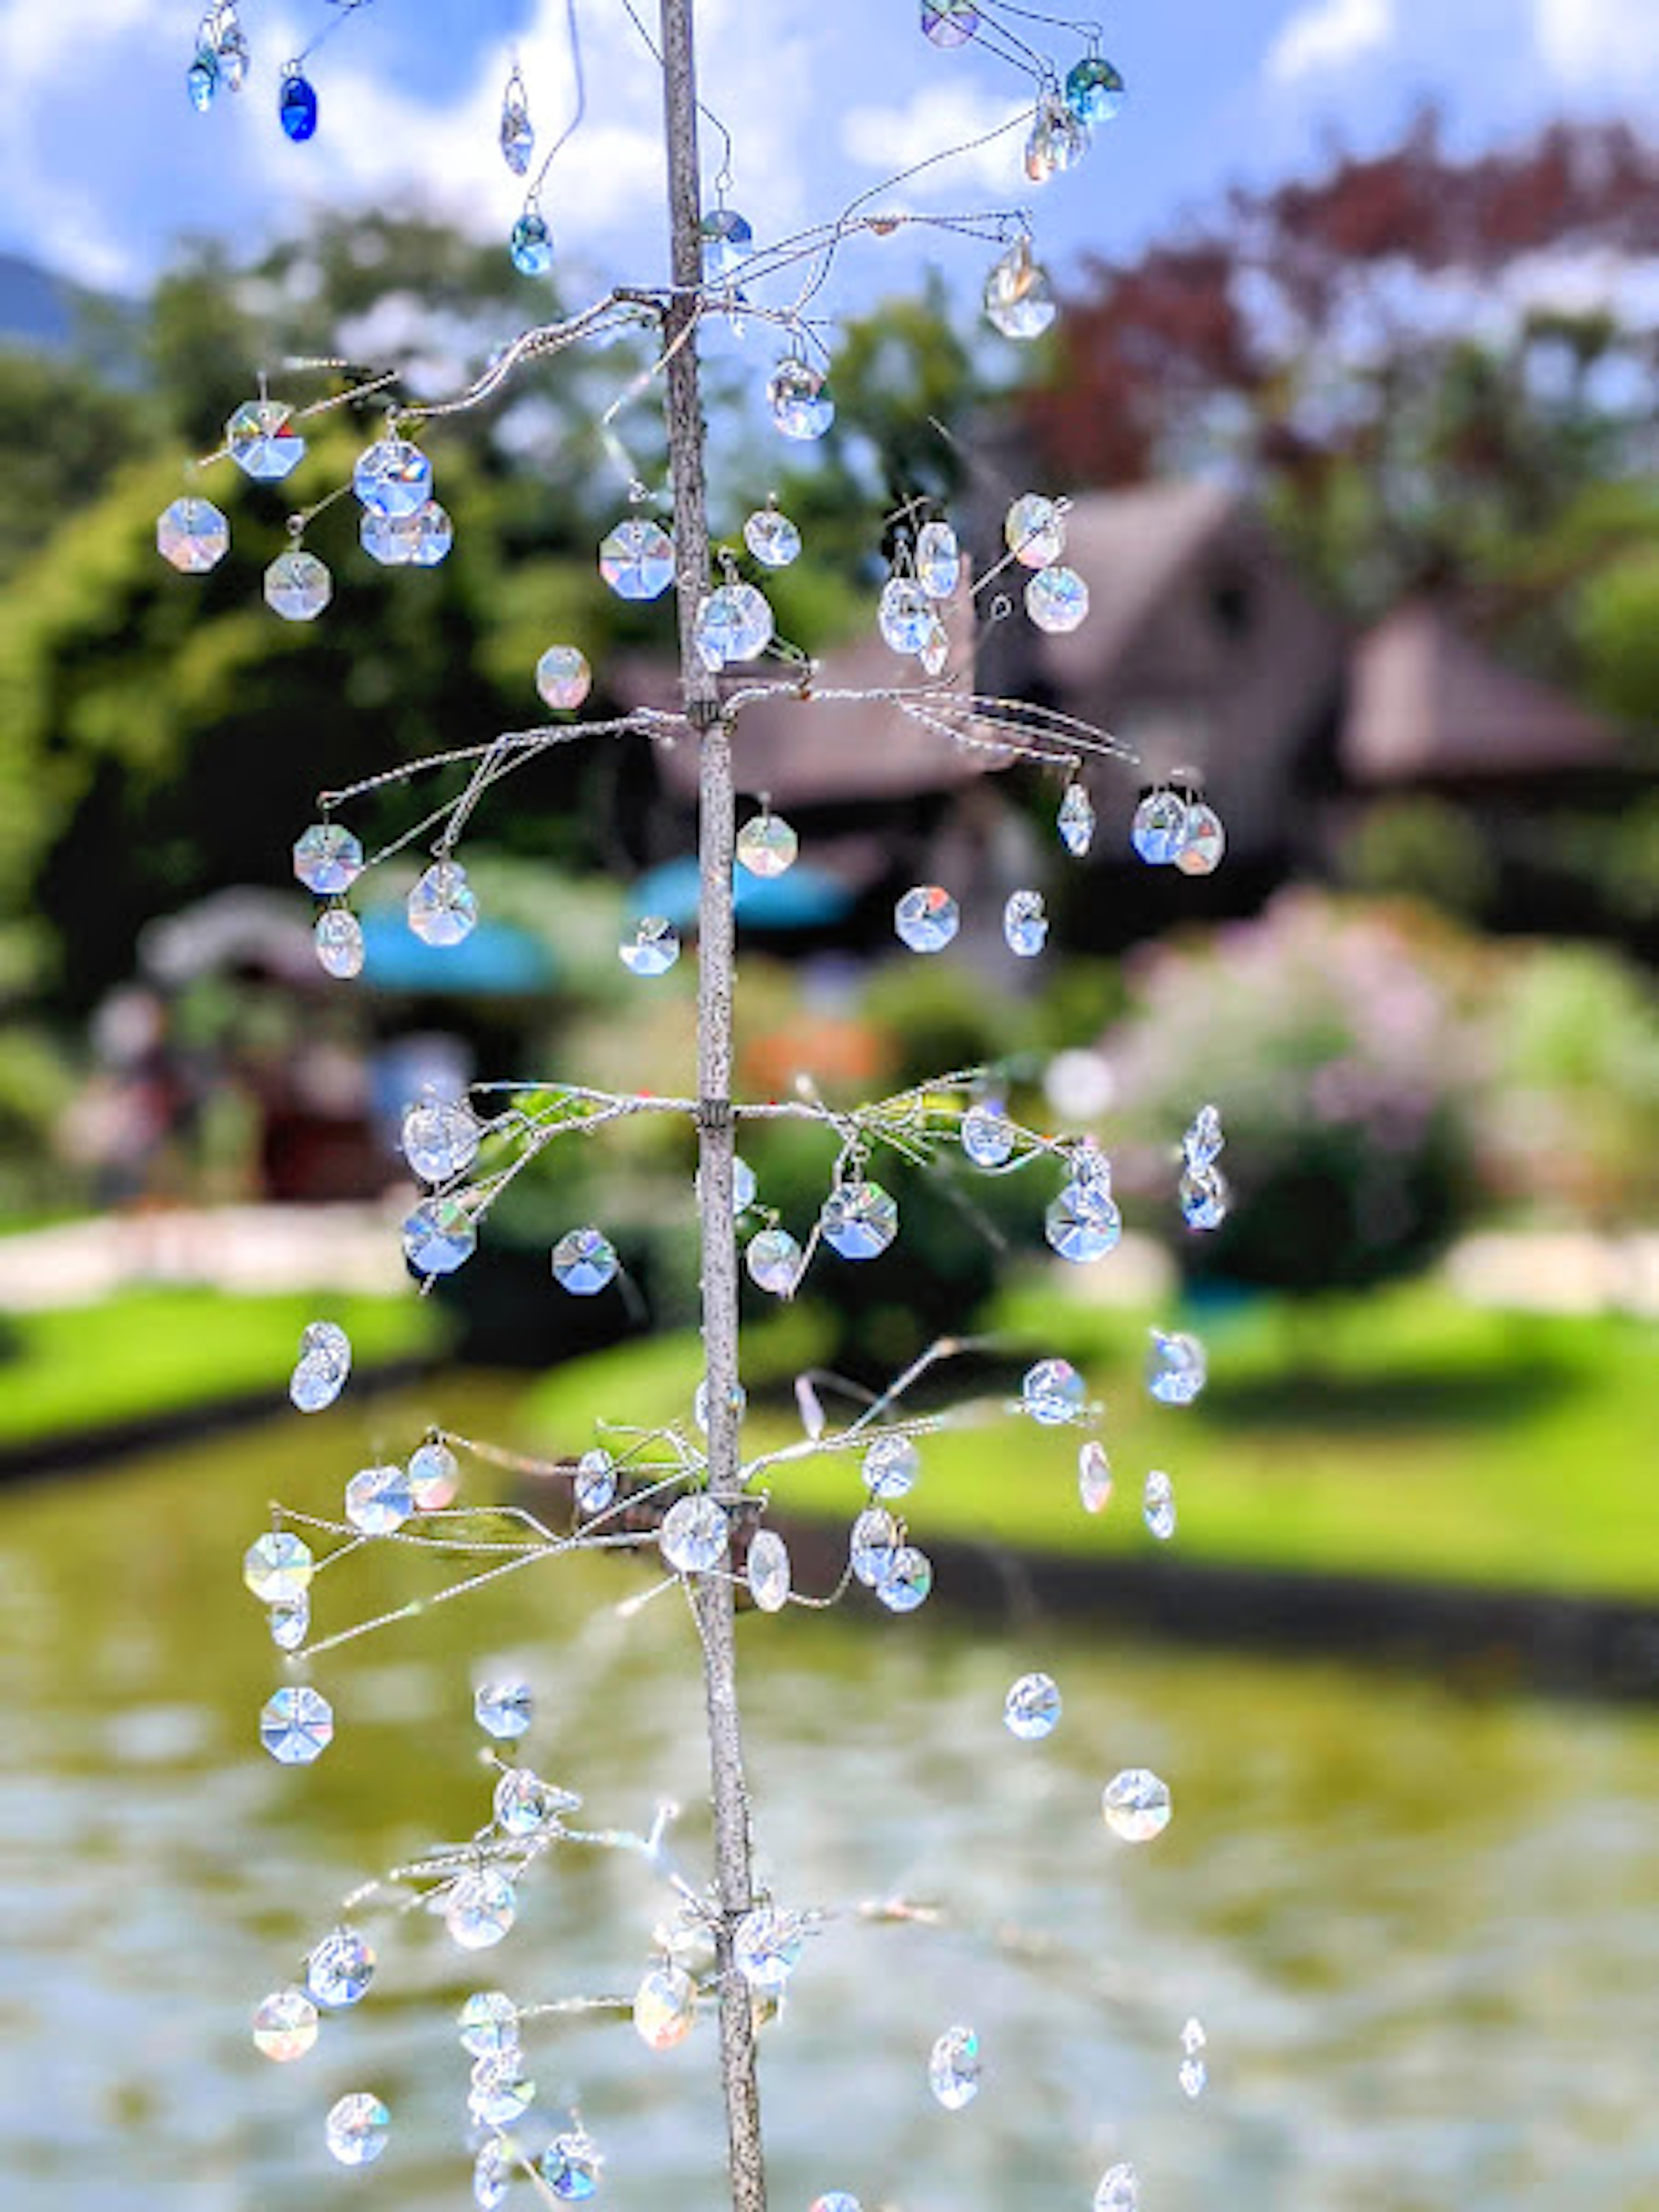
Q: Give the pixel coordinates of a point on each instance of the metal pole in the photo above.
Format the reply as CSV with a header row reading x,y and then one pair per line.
x,y
712,1599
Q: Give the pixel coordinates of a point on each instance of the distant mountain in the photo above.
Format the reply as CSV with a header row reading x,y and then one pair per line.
x,y
51,314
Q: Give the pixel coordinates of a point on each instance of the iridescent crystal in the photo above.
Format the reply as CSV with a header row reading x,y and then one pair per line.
x,y
564,677
1136,1805
517,135
858,1220
260,440
1035,530
338,938
296,105
327,858
192,536
289,1623
529,245
357,2128
693,1537
1158,827
636,559
440,1138
584,1263
340,1969
492,2171
278,1567
1193,2074
726,237
378,1499
1203,841
908,1581
201,79
949,23
296,1725
1158,1505
393,477
953,2068
1081,1225
1204,1197
1057,599
891,1467
504,1709
768,1570
665,2006
766,845
987,1136
1202,1143
284,2025
500,2092
766,1945
323,1367
479,1908
1094,90
743,1185
654,948
439,1236
1175,1367
489,2023
298,586
773,1259
443,907
525,1804
391,539
772,538
1094,1476
1031,1707
434,1477
800,402
1019,299
906,616
733,623
875,1538
1117,2190
435,533
939,560
1053,1393
1025,924
1058,140
594,1483
1076,820
927,918
570,2167
1192,2037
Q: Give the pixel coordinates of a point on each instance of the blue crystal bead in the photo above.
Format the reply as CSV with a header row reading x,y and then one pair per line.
x,y
584,1263
1094,90
1175,1367
726,237
394,478
570,2167
504,1709
296,106
531,245
201,79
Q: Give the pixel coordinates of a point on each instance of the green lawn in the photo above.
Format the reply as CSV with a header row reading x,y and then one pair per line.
x,y
1403,1434
150,1352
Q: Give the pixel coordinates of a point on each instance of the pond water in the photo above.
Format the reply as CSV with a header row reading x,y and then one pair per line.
x,y
1421,1931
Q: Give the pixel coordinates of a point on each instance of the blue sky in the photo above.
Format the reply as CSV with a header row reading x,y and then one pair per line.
x,y
103,163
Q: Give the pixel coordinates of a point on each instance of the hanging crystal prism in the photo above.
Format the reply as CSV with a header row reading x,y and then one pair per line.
x,y
772,538
570,2167
260,440
435,533
504,1709
1053,1393
1057,599
564,677
480,1908
1094,90
230,48
201,79
1058,140
1094,1477
323,1367
1158,827
525,1805
766,1945
636,559
443,907
909,1581
1175,1367
285,2026
953,2068
529,244
1024,924
1136,1805
654,948
298,586
987,1135
516,136
391,539
906,617
935,648
1158,1505
192,536
774,1261
727,238
872,1545
1019,299
891,1467
949,22
1203,841
927,918
939,560
858,1220
799,401
766,846
1117,2190
693,1537
488,2024
1203,1198
733,623
435,1476
378,1499
768,1571
1031,1708
340,1969
501,2091
1203,1142
357,2128
1076,820
278,1567
1081,1225
665,2006
585,1262
1034,529
338,938
327,858
393,477
439,1236
439,1137
296,104
296,1726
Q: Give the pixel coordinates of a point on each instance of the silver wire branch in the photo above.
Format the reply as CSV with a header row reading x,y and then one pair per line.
x,y
578,112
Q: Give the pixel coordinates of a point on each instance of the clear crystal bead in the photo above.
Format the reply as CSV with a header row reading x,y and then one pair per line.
x,y
284,2025
338,938
1193,2074
1203,1198
296,1725
1094,90
1019,299
357,2129
439,1236
525,1805
989,1137
231,47
908,1581
327,858
874,1540
772,538
766,845
733,623
584,1263
201,79
891,1467
906,616
529,244
727,238
927,918
1031,1708
296,105
1076,820
192,536
766,1945
570,2167
1158,1505
492,2171
799,400
1094,1477
1192,2037
953,2068
594,1485
392,477
564,677
1136,1805
378,1499
768,1570
1058,140
1203,841
636,559
1081,1226
693,1537
443,907
434,1477
479,1908
743,1185
1053,1393
949,22
340,1969
1202,1143
504,1709
391,539
1034,531
1158,827
858,1220
434,536
665,2006
1025,924
289,1623
488,2024
1117,2190
939,560
261,441
500,2092
1175,1367
298,586
773,1259
278,1567
440,1138
935,649
1057,599
517,135
654,948
323,1367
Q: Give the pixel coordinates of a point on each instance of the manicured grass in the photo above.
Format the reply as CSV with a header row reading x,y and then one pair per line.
x,y
1399,1435
150,1353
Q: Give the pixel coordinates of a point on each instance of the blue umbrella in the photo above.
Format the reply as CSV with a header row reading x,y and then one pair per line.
x,y
804,897
498,958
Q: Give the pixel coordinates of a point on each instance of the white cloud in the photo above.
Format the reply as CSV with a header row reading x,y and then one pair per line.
x,y
1329,35
1599,42
941,115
